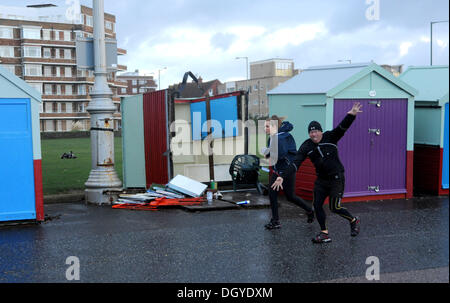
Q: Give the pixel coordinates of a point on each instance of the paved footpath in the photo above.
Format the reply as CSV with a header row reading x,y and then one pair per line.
x,y
409,238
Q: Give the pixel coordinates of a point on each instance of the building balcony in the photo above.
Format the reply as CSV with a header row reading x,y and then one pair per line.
x,y
68,98
121,51
58,43
121,68
48,61
74,115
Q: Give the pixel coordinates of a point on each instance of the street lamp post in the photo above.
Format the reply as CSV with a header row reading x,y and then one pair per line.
x,y
246,65
103,178
159,77
431,39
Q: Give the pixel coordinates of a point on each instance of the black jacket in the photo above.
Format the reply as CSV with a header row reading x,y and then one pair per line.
x,y
323,155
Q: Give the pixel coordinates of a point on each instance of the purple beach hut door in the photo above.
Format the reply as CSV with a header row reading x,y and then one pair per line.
x,y
373,150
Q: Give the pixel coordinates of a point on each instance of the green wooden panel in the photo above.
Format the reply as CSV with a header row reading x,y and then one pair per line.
x,y
300,110
133,142
383,88
427,126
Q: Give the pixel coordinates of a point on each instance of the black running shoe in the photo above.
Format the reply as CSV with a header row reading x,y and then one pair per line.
x,y
310,217
321,238
273,225
354,226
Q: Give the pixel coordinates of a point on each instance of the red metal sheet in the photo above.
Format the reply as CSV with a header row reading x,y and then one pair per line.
x,y
39,193
155,137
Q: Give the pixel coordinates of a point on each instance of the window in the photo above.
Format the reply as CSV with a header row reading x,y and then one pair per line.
x,y
47,71
33,70
32,51
108,25
9,67
142,81
6,32
68,90
31,33
134,90
134,82
48,89
36,86
255,87
68,72
58,90
67,54
47,53
89,21
46,34
124,90
58,71
7,51
82,89
283,66
57,53
67,36
142,90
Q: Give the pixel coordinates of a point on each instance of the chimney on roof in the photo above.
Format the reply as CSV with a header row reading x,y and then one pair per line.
x,y
200,80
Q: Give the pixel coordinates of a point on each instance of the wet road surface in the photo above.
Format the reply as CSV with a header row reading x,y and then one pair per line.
x,y
409,238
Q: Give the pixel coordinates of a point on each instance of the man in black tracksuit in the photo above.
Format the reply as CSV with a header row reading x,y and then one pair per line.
x,y
321,148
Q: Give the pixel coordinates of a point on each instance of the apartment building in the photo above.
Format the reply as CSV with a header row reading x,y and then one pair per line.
x,y
37,44
136,83
264,76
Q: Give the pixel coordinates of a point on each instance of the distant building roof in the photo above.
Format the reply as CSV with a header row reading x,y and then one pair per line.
x,y
318,79
192,90
430,81
271,60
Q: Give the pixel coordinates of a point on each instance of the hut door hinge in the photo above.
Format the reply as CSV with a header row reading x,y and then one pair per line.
x,y
377,103
374,188
376,131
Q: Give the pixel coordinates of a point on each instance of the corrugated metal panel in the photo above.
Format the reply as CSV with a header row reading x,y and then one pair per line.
x,y
317,80
430,81
155,137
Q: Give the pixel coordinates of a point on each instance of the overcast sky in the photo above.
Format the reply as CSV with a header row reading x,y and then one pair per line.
x,y
205,36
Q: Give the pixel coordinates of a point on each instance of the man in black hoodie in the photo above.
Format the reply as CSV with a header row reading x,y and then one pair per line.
x,y
321,148
282,150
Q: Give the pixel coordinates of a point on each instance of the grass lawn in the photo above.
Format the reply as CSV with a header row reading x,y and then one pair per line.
x,y
68,175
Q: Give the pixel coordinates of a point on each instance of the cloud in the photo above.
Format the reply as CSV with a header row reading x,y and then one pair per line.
x,y
294,35
404,48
